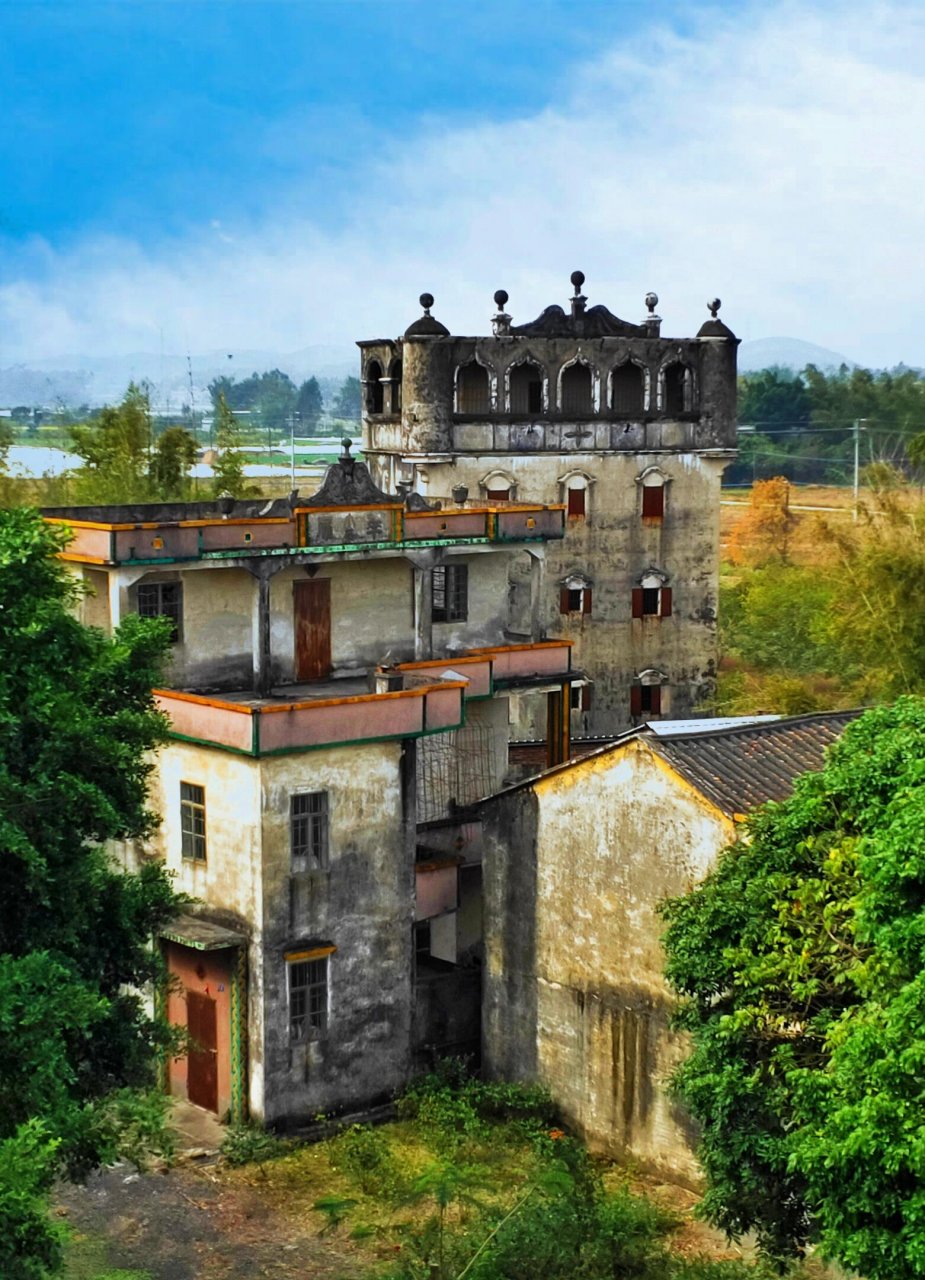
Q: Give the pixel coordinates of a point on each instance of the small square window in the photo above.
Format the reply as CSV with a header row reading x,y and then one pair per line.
x,y
162,600
308,999
308,830
192,822
450,593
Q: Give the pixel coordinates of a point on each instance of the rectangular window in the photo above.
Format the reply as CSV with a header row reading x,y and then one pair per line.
x,y
162,600
308,830
308,999
451,592
653,501
498,495
192,822
581,697
650,601
646,699
575,600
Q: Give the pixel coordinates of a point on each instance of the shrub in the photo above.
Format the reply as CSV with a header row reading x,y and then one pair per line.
x,y
365,1154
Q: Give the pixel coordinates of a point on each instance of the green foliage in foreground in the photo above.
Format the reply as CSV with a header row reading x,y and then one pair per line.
x,y
77,726
801,965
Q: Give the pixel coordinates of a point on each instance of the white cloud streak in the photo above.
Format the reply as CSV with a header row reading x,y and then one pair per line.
x,y
774,155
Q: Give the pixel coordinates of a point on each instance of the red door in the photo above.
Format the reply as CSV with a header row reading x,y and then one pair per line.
x,y
312,603
202,1065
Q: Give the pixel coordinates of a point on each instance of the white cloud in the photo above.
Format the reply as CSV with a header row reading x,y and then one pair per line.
x,y
773,156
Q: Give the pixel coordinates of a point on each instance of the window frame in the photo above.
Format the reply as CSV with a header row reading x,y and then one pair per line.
x,y
309,832
174,611
309,1001
193,830
454,593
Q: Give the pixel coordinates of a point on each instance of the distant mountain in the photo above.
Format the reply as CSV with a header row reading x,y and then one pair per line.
x,y
96,380
789,353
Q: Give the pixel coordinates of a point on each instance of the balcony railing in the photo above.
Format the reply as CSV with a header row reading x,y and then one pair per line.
x,y
259,727
487,669
313,530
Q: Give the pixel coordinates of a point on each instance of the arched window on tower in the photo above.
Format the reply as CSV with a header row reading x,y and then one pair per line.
x,y
473,391
374,397
677,394
627,389
395,388
526,388
576,390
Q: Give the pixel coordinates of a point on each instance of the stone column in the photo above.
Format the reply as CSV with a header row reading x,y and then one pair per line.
x,y
262,656
422,564
537,592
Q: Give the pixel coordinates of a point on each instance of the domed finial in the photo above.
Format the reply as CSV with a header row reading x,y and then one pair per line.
x,y
651,302
345,444
714,307
427,301
577,278
501,297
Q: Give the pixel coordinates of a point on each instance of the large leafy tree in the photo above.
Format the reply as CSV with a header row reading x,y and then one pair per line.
x,y
310,403
800,963
347,401
77,728
122,460
228,464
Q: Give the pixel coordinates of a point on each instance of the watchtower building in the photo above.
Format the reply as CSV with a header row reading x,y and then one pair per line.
x,y
629,430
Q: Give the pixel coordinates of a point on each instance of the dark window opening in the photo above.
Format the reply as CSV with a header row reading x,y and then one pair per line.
x,y
581,697
576,503
162,600
526,385
650,597
653,501
576,390
575,600
627,389
374,392
308,998
308,830
450,592
192,822
675,377
395,389
646,699
651,602
498,495
473,393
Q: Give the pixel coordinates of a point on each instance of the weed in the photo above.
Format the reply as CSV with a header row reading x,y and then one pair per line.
x,y
366,1155
249,1144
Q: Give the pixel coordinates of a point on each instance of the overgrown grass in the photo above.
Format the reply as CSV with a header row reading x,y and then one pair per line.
x,y
475,1181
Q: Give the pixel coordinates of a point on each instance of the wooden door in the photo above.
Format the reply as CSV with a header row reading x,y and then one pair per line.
x,y
202,1064
312,602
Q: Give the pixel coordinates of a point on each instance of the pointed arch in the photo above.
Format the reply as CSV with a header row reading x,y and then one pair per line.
x,y
629,388
474,388
576,389
677,391
526,387
374,390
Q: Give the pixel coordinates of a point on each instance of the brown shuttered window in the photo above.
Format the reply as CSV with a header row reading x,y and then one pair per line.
x,y
653,501
636,700
665,602
576,503
564,594
637,602
586,600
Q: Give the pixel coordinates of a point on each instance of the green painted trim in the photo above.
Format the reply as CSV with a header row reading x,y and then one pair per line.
x,y
238,1009
215,746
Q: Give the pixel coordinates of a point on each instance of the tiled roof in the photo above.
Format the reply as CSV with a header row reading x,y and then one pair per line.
x,y
740,768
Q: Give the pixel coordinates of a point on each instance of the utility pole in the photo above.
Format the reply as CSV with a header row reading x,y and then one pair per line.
x,y
857,442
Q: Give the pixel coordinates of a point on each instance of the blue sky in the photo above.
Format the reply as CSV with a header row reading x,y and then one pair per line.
x,y
248,173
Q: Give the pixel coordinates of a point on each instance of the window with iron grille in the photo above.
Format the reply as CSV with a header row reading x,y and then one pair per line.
x,y
162,600
308,999
451,593
308,830
192,822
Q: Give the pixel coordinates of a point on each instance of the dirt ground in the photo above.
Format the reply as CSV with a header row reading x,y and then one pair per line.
x,y
187,1224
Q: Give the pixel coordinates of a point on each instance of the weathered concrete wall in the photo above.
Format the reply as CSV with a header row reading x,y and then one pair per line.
x,y
229,883
574,869
363,904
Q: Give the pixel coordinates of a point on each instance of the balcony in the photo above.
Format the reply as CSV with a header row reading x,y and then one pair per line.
x,y
140,536
498,667
308,717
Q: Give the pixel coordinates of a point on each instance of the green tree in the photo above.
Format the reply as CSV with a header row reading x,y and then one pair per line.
x,y
174,453
115,447
228,465
800,963
347,401
77,730
310,403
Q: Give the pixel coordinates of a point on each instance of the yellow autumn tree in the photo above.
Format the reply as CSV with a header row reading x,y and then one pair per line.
x,y
763,533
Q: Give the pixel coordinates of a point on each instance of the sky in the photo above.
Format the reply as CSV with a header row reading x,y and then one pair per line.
x,y
270,175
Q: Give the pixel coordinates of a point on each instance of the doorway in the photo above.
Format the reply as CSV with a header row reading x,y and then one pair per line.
x,y
312,605
202,1077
